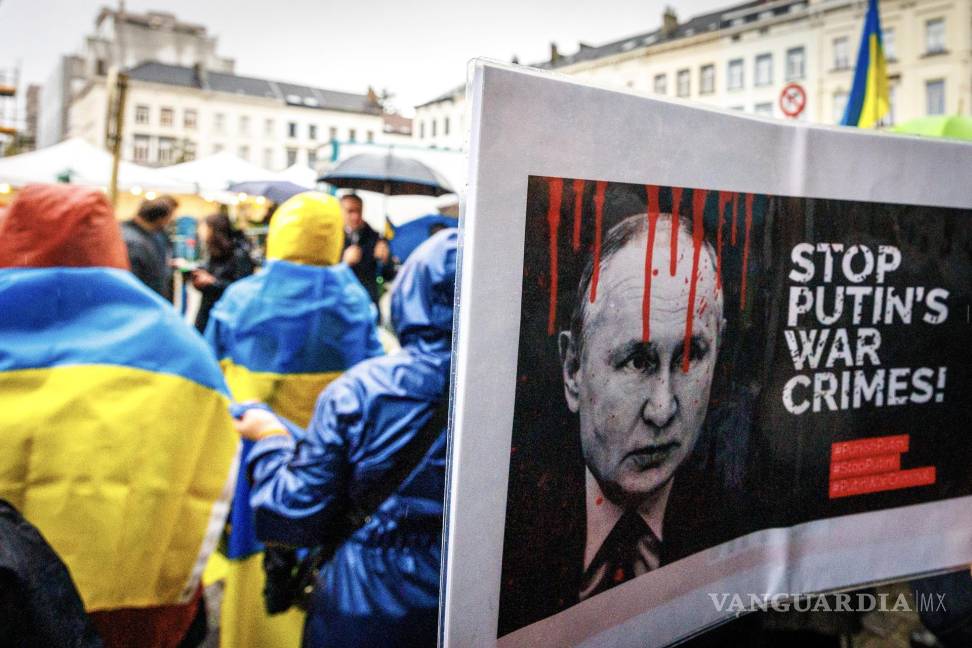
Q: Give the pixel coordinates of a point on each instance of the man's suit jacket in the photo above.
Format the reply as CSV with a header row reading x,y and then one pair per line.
x,y
543,552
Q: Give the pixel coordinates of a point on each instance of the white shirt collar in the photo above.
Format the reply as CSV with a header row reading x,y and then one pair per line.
x,y
603,514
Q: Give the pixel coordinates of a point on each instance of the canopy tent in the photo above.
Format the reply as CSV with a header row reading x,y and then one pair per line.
x,y
79,162
299,174
949,126
217,172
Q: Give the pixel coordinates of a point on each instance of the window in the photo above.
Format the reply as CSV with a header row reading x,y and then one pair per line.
x,y
765,109
141,114
166,150
764,70
291,129
796,59
217,148
735,75
661,84
140,152
333,133
707,79
312,131
445,126
268,127
291,156
189,118
188,151
935,97
434,124
311,158
244,125
739,108
888,44
244,152
888,119
683,83
935,36
268,158
370,137
421,130
352,135
840,103
219,122
841,53
101,67
166,117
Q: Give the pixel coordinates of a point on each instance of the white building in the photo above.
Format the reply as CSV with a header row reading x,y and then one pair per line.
x,y
441,122
175,113
741,57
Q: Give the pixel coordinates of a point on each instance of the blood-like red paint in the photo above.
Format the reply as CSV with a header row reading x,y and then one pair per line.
x,y
698,232
599,188
578,212
735,213
652,194
745,259
724,198
676,202
555,188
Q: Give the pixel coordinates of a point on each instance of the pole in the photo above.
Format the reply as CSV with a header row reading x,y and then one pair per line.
x,y
116,142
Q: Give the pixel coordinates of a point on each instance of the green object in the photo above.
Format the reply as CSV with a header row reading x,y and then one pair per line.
x,y
951,126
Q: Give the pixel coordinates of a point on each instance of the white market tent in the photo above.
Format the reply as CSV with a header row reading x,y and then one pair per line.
x,y
299,174
216,172
83,163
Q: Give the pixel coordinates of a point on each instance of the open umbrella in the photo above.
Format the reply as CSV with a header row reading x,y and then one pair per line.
x,y
277,191
388,174
951,126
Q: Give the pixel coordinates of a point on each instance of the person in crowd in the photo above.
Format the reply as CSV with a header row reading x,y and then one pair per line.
x,y
117,443
364,249
39,604
368,473
147,244
227,261
282,336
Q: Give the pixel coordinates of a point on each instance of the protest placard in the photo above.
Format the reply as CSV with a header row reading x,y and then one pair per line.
x,y
701,357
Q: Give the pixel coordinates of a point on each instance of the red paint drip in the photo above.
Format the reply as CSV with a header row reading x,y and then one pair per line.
x,y
578,212
745,259
724,198
649,251
676,201
556,189
599,188
698,232
735,212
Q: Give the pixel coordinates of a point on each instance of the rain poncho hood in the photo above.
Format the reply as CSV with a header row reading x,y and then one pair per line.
x,y
116,440
60,226
307,229
381,587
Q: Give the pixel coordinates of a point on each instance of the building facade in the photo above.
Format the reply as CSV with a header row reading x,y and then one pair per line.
x,y
174,114
741,58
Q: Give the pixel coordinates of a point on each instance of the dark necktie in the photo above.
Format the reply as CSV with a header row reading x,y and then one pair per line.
x,y
631,549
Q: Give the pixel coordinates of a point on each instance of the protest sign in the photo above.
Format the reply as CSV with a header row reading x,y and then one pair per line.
x,y
701,357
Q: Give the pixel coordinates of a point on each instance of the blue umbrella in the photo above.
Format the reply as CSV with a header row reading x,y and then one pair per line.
x,y
277,191
409,236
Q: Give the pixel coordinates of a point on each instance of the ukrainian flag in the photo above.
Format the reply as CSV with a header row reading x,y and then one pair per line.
x,y
115,440
282,335
869,98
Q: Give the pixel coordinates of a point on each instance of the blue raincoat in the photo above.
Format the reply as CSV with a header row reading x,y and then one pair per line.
x,y
382,586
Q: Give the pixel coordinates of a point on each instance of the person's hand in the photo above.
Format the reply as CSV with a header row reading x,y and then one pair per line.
x,y
382,251
256,424
352,255
201,279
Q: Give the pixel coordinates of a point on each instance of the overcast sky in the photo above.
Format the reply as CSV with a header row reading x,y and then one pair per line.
x,y
415,48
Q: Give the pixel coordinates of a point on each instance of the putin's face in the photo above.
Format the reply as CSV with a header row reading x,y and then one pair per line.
x,y
640,412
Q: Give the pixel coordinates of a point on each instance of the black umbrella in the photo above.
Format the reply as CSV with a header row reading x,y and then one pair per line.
x,y
388,174
277,191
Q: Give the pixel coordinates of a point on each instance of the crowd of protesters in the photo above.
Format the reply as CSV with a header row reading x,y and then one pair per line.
x,y
277,451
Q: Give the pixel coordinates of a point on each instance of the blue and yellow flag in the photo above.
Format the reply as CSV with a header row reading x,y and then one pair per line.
x,y
282,335
869,98
115,440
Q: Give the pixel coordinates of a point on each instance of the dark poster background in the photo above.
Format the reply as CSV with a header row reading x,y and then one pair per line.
x,y
758,465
